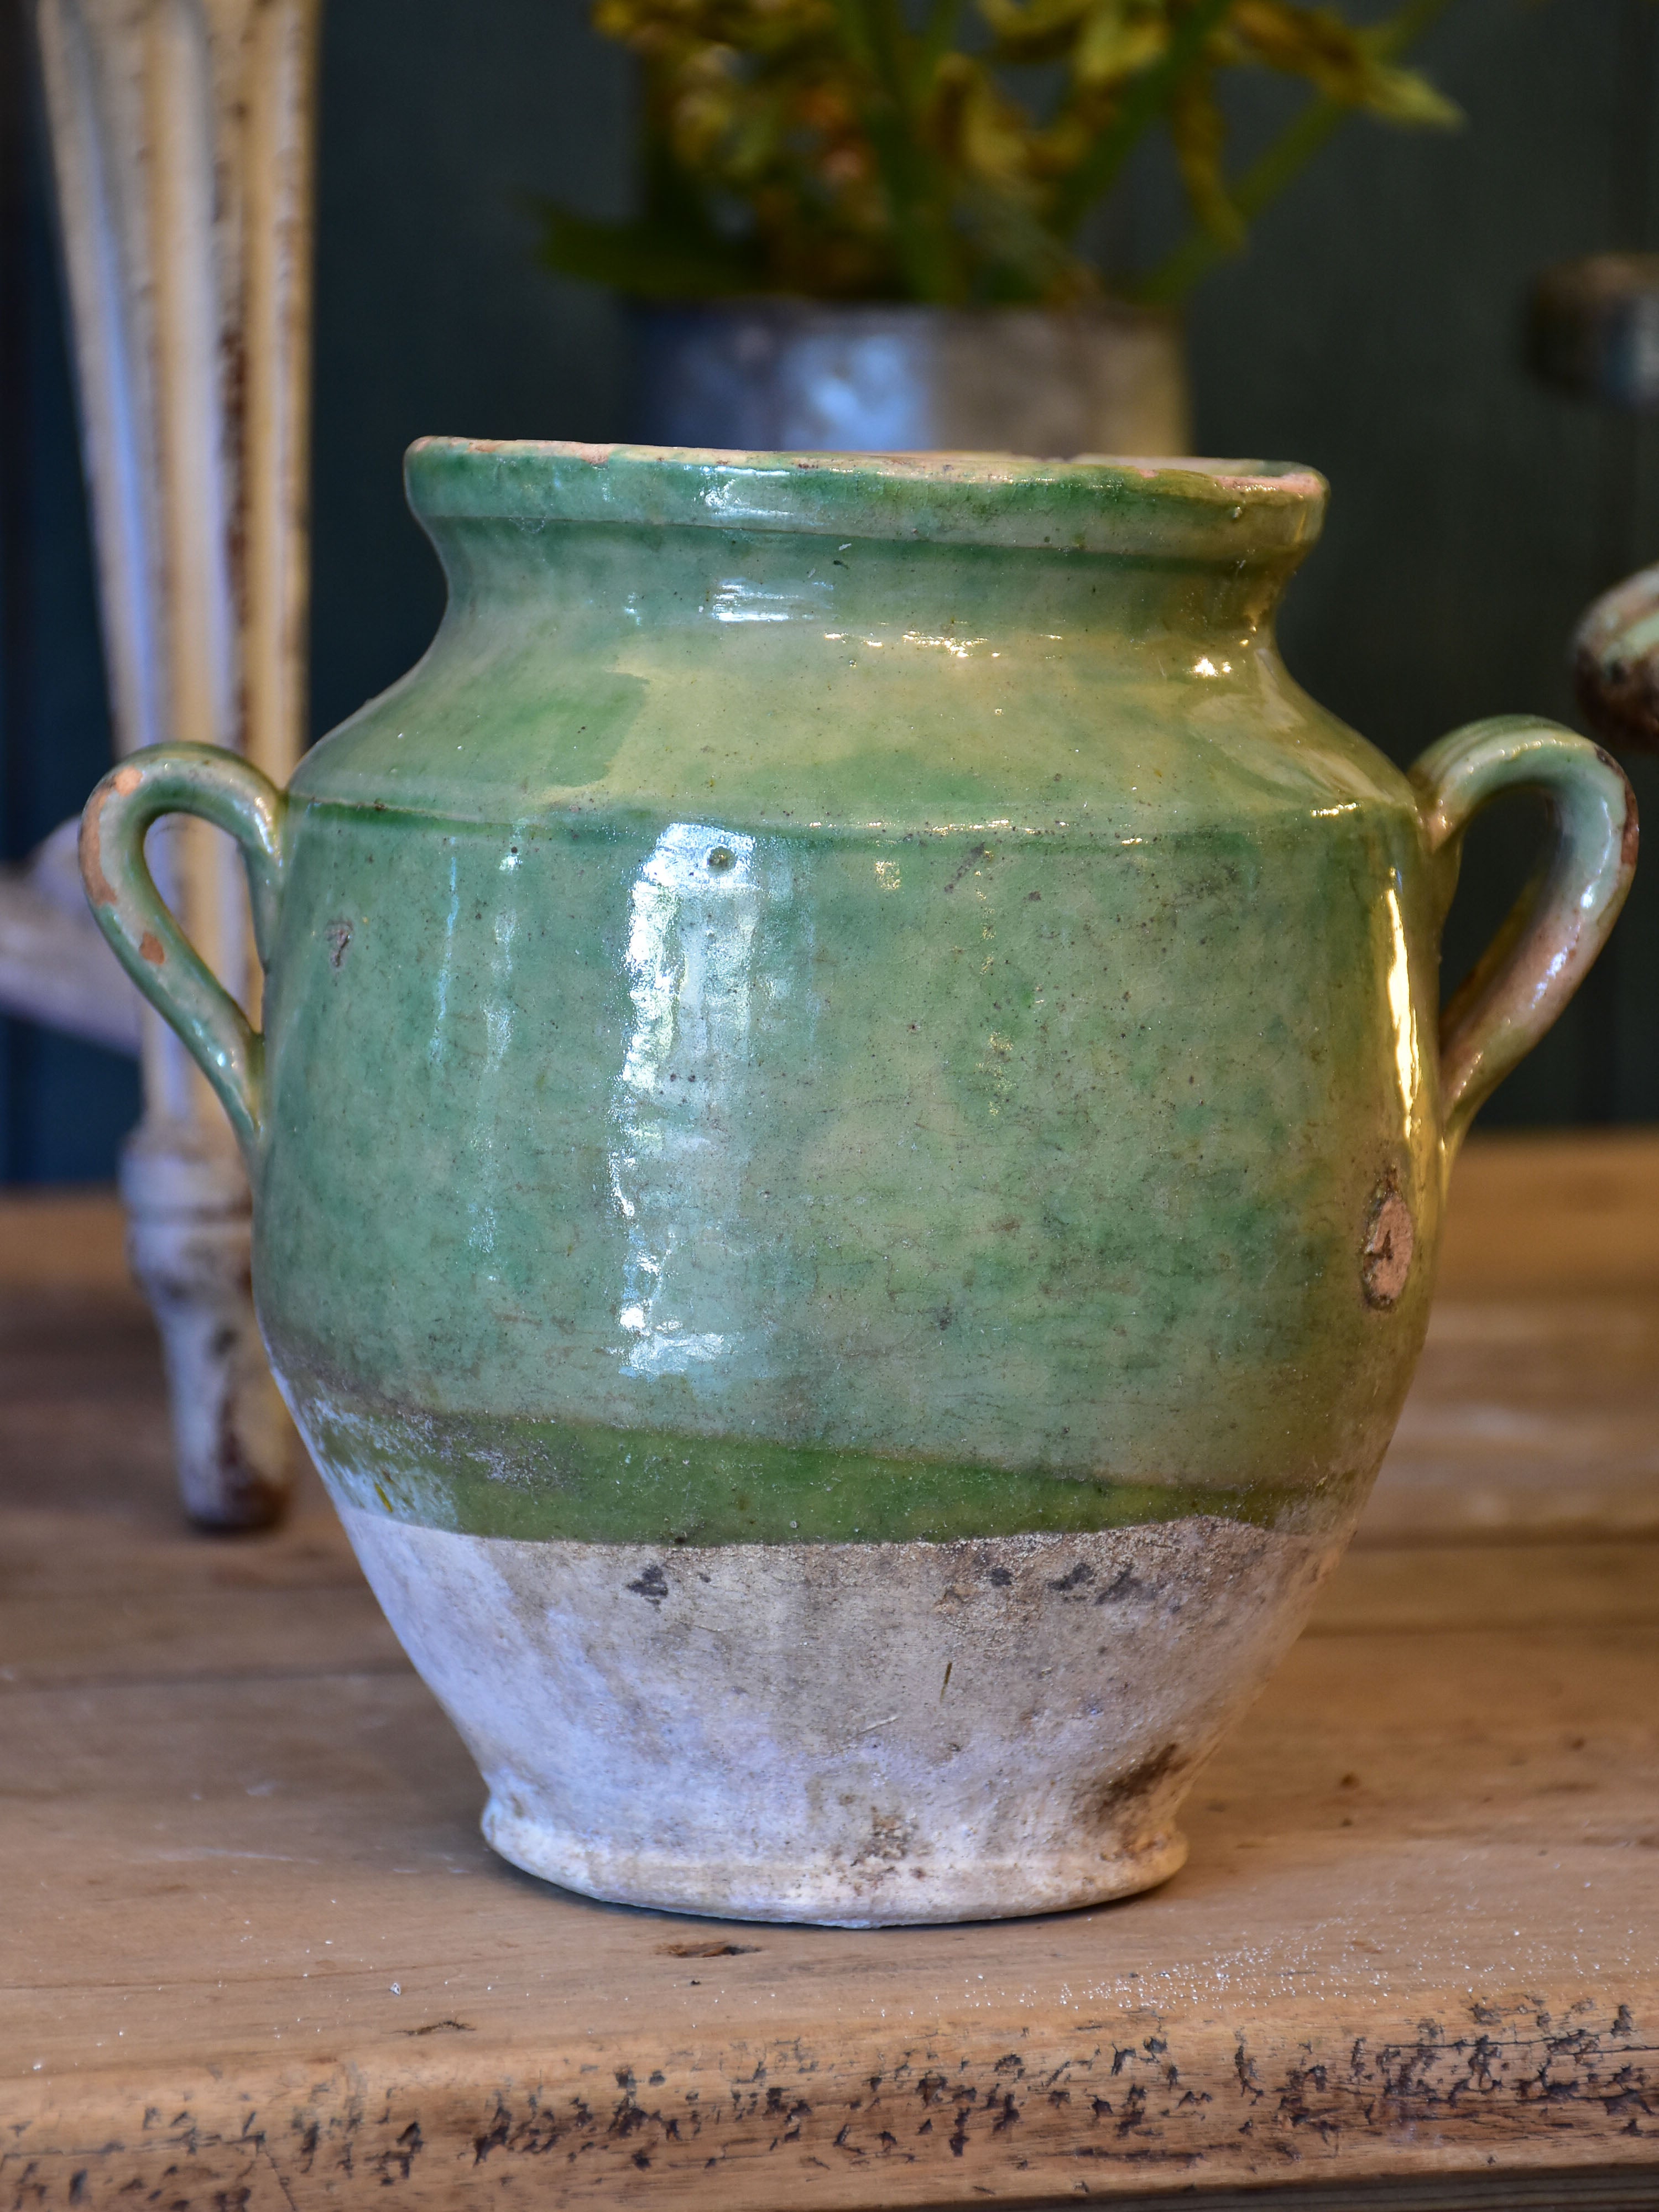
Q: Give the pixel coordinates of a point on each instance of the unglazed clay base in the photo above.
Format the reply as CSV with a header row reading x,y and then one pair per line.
x,y
851,1734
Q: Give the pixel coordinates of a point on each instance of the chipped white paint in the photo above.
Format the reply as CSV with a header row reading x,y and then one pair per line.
x,y
852,1734
189,1249
55,967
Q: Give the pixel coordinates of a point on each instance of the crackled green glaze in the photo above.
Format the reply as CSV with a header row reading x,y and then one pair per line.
x,y
855,998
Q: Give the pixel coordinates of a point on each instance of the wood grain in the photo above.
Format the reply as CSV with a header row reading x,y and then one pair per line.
x,y
1535,1410
256,1954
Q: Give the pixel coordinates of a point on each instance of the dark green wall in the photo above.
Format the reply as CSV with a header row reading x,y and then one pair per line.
x,y
1371,330
64,1105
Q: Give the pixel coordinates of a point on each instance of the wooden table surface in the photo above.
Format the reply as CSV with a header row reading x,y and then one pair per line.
x,y
254,1955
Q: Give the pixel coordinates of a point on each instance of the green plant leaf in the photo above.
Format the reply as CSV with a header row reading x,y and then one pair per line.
x,y
1116,40
643,259
1348,64
1285,159
869,149
1198,134
1146,96
1410,99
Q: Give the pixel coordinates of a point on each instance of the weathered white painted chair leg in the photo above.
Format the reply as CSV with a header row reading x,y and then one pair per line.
x,y
55,967
188,1245
181,139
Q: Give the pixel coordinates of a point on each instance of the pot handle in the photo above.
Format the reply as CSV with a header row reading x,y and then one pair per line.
x,y
1615,663
227,791
1554,932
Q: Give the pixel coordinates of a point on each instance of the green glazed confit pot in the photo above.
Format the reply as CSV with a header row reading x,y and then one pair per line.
x,y
848,1143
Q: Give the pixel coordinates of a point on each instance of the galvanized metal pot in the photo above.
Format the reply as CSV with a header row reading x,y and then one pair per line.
x,y
818,376
849,1142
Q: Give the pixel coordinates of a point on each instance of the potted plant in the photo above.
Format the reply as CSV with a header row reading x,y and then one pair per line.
x,y
862,226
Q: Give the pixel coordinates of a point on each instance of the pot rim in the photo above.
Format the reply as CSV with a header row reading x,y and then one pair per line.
x,y
1180,508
